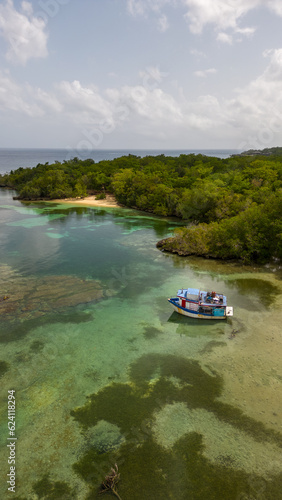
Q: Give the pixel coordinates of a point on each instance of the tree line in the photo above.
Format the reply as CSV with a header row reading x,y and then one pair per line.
x,y
233,206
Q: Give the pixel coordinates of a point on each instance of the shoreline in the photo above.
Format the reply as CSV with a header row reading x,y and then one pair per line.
x,y
109,201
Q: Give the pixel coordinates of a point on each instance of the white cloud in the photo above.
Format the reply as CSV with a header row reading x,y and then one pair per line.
x,y
136,7
25,99
255,111
276,6
149,111
153,105
27,8
224,37
152,77
142,7
197,53
204,73
84,103
228,38
273,71
257,108
223,14
163,23
49,101
16,98
246,31
25,34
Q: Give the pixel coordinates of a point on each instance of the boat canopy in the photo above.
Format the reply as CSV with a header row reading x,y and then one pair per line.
x,y
185,292
203,297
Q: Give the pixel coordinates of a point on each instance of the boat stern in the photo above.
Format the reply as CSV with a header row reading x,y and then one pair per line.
x,y
229,311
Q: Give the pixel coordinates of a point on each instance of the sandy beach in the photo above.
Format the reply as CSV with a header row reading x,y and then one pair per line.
x,y
109,201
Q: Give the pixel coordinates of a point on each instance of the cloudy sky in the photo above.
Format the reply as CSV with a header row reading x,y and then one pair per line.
x,y
167,74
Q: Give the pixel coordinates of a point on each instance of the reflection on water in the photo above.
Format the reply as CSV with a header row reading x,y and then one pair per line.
x,y
106,373
194,327
264,292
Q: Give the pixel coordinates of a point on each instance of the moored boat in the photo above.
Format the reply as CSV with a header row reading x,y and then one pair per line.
x,y
196,303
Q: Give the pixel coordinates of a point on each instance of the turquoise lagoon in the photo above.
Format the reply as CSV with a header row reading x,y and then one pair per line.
x,y
105,372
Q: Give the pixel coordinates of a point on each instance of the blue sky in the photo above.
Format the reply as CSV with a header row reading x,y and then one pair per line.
x,y
166,74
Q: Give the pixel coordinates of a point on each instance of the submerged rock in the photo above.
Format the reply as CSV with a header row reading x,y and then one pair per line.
x,y
27,298
105,437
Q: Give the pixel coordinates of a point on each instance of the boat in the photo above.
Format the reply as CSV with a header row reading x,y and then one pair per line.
x,y
196,303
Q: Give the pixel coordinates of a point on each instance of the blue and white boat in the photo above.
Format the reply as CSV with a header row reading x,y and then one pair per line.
x,y
195,303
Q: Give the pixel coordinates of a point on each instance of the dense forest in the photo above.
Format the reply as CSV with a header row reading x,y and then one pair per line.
x,y
233,206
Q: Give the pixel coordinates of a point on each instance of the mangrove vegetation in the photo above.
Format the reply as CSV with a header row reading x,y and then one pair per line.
x,y
233,206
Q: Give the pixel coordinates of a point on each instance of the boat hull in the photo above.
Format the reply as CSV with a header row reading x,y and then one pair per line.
x,y
196,314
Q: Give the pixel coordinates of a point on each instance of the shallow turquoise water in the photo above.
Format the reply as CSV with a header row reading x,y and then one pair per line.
x,y
106,373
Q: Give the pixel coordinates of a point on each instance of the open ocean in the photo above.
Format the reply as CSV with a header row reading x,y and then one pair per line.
x,y
11,159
